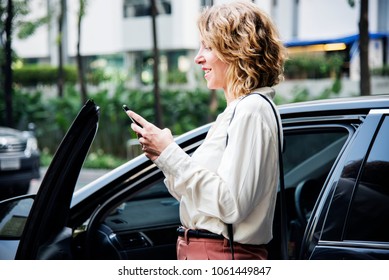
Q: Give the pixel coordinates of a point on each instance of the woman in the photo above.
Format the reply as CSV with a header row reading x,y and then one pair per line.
x,y
232,177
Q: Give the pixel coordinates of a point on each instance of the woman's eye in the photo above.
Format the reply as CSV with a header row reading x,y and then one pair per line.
x,y
205,47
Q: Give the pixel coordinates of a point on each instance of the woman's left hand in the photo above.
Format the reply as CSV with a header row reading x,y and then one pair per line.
x,y
152,139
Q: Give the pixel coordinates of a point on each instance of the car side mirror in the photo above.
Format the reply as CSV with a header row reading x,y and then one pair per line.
x,y
13,216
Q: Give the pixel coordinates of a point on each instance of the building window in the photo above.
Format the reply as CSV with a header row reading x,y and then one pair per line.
x,y
140,8
205,3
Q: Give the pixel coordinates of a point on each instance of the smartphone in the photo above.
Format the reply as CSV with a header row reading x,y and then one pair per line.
x,y
125,108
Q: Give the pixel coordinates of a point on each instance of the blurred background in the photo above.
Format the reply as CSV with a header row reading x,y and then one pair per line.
x,y
56,54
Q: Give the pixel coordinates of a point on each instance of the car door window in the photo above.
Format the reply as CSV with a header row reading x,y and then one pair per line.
x,y
152,207
369,216
310,152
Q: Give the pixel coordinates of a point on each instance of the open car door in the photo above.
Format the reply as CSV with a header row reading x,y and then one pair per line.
x,y
46,235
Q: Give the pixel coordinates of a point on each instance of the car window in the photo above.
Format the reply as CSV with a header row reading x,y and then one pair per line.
x,y
302,145
310,152
158,189
369,215
150,208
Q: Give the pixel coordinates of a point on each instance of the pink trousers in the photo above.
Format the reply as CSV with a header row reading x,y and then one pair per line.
x,y
215,249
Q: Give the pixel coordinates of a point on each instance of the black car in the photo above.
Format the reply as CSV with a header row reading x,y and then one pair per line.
x,y
19,161
335,201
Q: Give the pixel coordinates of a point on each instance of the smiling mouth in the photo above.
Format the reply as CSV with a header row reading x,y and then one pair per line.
x,y
206,72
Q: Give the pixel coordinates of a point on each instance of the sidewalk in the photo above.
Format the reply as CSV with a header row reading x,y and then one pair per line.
x,y
86,176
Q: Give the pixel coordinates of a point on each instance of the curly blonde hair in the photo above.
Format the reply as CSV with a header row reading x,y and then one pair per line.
x,y
245,38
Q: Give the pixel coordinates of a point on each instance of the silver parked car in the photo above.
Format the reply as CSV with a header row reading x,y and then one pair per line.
x,y
19,161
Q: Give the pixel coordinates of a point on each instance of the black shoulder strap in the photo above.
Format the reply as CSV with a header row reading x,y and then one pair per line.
x,y
284,230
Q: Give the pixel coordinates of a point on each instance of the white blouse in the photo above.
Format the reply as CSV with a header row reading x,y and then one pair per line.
x,y
234,184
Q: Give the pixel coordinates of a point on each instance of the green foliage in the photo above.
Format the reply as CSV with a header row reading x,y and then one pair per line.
x,y
95,160
52,117
46,157
38,74
100,160
27,28
26,107
176,77
97,76
301,93
313,67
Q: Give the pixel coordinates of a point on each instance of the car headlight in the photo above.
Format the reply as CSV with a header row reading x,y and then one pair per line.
x,y
32,146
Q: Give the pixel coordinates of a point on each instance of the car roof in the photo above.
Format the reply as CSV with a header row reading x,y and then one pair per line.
x,y
344,105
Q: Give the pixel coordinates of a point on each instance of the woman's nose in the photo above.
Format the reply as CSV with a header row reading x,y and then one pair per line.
x,y
199,58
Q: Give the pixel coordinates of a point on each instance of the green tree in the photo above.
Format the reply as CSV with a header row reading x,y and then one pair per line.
x,y
60,44
80,64
12,15
157,95
364,47
363,25
7,13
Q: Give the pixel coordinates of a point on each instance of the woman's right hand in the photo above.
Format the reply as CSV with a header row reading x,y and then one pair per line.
x,y
152,139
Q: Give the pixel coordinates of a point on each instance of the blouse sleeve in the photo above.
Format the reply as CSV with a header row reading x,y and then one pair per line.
x,y
230,193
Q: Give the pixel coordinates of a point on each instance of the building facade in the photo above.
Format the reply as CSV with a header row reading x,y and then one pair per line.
x,y
117,36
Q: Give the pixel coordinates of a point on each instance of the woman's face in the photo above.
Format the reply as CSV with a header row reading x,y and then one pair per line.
x,y
214,69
